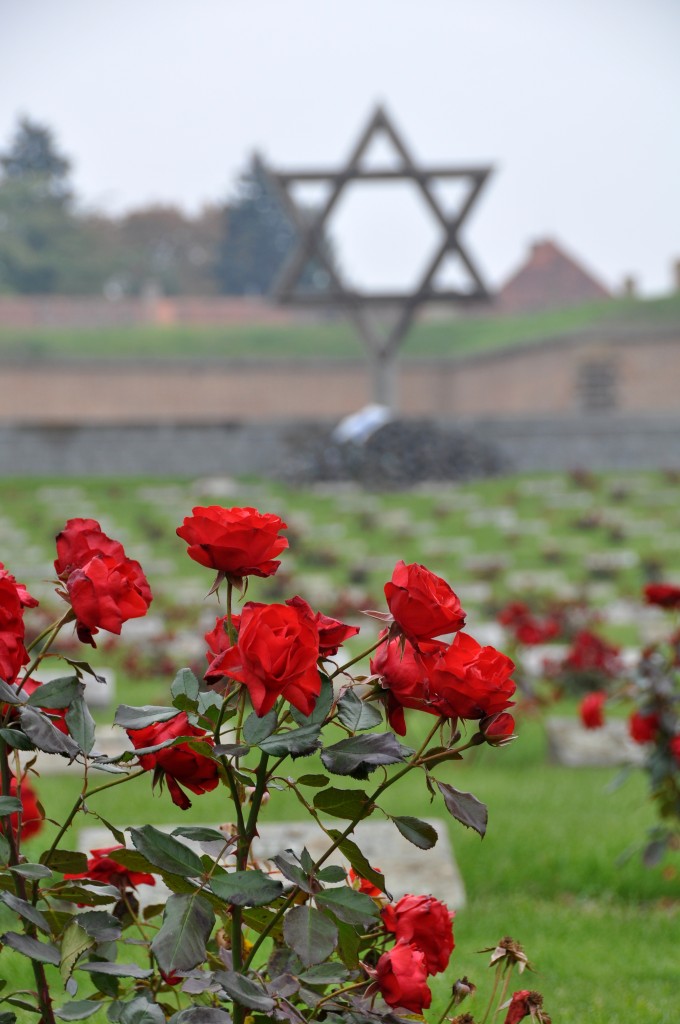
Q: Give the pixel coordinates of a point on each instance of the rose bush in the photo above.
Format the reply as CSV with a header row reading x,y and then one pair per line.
x,y
290,939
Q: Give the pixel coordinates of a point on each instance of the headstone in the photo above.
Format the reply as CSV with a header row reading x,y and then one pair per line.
x,y
406,868
97,694
570,744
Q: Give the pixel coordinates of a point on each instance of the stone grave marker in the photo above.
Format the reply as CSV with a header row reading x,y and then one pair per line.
x,y
570,744
98,695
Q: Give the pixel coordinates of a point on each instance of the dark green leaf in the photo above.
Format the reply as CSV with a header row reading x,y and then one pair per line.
x,y
26,910
244,991
166,852
323,705
66,861
11,694
4,849
297,742
418,832
358,756
44,952
180,944
115,832
128,717
201,1015
7,1017
141,1011
348,905
289,865
9,805
344,803
333,873
314,781
185,684
246,888
356,714
324,974
465,807
358,861
101,926
16,739
256,729
32,871
43,734
80,724
231,749
115,970
311,934
81,1010
654,851
74,943
58,693
349,941
199,834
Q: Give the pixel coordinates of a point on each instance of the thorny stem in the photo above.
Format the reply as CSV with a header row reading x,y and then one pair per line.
x,y
337,995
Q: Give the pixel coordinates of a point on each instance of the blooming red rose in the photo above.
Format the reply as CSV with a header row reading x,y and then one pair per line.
x,y
468,680
403,675
666,595
401,977
13,653
237,542
102,868
591,710
31,815
527,627
276,655
423,605
332,632
80,541
217,639
643,728
179,764
105,593
426,923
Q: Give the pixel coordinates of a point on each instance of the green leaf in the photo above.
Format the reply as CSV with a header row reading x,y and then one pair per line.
x,y
418,832
128,717
26,910
7,1017
256,729
324,974
246,888
348,905
16,739
185,684
44,952
101,926
80,724
465,807
43,734
141,1011
9,805
349,941
344,803
114,970
311,934
166,852
356,714
74,943
313,781
297,742
358,861
65,861
80,1010
4,849
11,694
243,991
200,1015
180,944
58,693
290,867
31,871
358,756
323,704
200,834
333,873
115,832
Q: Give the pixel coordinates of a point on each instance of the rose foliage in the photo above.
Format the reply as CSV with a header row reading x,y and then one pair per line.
x,y
227,935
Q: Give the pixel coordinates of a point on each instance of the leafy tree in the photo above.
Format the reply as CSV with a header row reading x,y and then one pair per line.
x,y
33,158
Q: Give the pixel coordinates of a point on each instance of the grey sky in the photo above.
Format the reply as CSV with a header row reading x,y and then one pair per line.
x,y
574,101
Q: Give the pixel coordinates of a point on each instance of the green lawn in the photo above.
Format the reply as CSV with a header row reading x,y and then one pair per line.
x,y
603,937
331,340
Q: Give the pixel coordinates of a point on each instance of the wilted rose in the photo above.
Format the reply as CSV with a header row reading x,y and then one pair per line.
x,y
236,542
426,923
401,977
423,605
181,763
276,655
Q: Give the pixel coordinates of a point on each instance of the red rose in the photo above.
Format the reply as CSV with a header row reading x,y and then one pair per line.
x,y
237,542
332,632
666,595
423,605
591,710
102,868
13,653
401,977
217,639
590,653
276,655
468,680
31,815
403,675
497,729
528,628
643,728
80,541
523,1004
105,593
363,885
426,923
180,764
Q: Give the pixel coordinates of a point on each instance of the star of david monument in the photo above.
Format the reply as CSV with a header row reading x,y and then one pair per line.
x,y
382,318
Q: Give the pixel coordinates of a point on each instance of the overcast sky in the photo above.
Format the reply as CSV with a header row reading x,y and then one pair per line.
x,y
575,103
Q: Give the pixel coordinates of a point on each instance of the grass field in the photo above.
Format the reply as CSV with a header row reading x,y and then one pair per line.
x,y
603,937
334,340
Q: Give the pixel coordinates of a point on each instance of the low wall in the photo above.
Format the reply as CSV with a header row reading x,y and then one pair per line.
x,y
272,449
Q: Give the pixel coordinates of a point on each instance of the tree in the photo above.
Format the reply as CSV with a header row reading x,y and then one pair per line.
x,y
33,158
